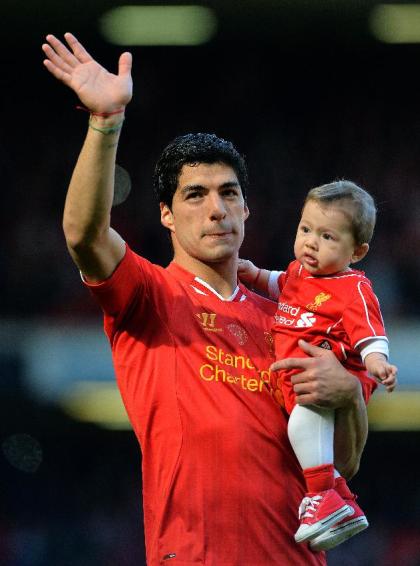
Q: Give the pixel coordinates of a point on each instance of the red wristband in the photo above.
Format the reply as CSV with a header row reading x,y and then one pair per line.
x,y
101,114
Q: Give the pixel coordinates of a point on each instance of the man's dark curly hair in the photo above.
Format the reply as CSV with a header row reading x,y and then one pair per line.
x,y
195,148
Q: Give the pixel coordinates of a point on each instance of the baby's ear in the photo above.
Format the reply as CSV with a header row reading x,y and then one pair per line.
x,y
359,252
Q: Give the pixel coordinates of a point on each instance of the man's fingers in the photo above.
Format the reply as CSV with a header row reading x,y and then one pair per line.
x,y
302,377
124,64
55,59
57,72
306,399
313,351
62,51
79,51
291,363
302,388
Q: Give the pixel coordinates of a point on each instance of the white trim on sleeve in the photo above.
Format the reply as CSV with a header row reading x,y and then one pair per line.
x,y
273,285
377,345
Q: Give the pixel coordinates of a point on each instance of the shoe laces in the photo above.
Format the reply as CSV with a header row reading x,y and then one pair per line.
x,y
308,506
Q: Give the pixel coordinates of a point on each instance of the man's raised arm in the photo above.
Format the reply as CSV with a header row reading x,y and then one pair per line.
x,y
94,246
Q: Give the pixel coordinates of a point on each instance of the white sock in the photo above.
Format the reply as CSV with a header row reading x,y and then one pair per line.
x,y
311,434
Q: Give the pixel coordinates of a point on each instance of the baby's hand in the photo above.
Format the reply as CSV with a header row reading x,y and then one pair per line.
x,y
247,271
382,371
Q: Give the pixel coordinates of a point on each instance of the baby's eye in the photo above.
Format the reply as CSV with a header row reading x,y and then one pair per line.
x,y
304,229
327,237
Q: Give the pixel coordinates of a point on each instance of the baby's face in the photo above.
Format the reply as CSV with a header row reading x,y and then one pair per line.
x,y
324,241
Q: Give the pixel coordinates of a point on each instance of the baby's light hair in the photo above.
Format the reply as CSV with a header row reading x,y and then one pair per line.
x,y
361,209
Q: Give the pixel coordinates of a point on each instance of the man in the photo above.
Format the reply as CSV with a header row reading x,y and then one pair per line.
x,y
191,348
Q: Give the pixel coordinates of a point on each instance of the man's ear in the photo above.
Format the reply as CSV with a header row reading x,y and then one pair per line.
x,y
166,216
359,252
246,210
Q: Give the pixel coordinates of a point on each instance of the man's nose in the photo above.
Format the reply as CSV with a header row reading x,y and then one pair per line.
x,y
217,208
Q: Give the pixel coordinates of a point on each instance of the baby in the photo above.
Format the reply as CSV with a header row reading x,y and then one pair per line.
x,y
322,300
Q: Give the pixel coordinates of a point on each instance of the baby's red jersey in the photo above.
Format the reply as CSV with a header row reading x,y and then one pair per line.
x,y
221,486
338,312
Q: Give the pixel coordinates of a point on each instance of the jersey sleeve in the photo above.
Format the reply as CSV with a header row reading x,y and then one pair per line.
x,y
281,279
362,318
132,284
278,279
376,345
274,285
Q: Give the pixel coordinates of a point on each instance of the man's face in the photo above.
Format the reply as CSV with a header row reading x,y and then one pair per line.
x,y
208,214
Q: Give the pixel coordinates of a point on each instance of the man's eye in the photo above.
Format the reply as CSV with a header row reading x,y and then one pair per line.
x,y
229,193
193,195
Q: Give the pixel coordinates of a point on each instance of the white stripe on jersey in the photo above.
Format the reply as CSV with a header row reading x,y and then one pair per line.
x,y
210,288
359,285
343,276
332,326
198,291
357,345
343,350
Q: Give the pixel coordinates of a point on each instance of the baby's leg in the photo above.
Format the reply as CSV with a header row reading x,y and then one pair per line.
x,y
311,434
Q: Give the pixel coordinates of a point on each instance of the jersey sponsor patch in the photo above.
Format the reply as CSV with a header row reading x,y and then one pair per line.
x,y
306,320
233,369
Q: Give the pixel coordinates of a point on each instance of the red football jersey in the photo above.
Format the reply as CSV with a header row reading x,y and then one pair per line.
x,y
339,312
221,486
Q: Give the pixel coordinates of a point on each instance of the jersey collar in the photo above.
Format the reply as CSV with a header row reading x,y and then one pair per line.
x,y
345,273
201,287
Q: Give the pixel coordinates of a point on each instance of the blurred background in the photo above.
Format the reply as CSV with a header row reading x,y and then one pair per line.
x,y
310,91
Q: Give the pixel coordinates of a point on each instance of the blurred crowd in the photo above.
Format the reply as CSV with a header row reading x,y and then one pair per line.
x,y
299,123
81,504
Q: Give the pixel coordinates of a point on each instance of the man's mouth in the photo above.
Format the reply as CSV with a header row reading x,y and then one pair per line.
x,y
217,234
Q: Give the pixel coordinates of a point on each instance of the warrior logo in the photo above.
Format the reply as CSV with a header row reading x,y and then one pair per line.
x,y
208,321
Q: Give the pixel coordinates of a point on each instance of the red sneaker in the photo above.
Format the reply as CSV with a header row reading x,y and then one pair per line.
x,y
318,512
343,530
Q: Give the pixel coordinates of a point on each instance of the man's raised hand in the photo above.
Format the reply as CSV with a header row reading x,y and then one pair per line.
x,y
97,89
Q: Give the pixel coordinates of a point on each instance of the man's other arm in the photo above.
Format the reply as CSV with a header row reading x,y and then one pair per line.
x,y
323,381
